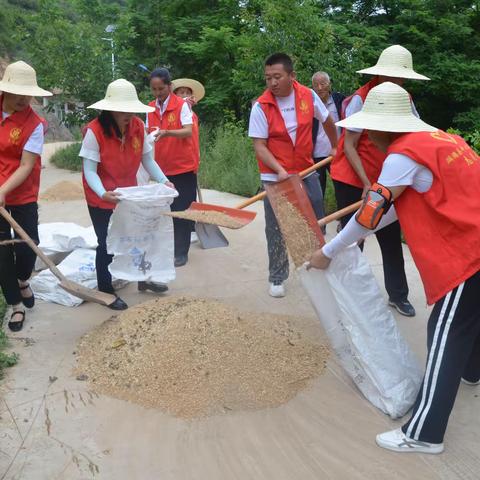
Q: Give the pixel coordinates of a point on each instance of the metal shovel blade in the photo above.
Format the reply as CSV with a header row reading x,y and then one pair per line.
x,y
210,236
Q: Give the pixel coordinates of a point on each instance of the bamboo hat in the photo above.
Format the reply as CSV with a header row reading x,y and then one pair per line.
x,y
387,108
122,96
197,88
395,61
21,79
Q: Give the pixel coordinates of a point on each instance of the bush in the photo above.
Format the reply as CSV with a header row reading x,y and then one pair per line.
x,y
68,158
228,162
6,359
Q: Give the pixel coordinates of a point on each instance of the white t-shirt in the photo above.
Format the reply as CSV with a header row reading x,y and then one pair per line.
x,y
322,144
258,126
35,142
91,150
186,116
398,170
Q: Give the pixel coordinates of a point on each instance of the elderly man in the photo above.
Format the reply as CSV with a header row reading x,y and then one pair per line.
x,y
426,180
322,148
281,124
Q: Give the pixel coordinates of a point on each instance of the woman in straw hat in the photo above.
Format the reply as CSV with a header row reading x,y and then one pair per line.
x,y
21,144
429,176
192,92
358,163
174,152
113,148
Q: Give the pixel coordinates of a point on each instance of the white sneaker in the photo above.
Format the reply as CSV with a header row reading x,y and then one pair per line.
x,y
277,291
193,237
397,441
467,382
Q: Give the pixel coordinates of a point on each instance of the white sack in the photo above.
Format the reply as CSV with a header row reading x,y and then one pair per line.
x,y
65,237
363,333
140,237
79,267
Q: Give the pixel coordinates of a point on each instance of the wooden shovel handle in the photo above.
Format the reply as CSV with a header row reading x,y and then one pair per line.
x,y
24,236
340,213
302,174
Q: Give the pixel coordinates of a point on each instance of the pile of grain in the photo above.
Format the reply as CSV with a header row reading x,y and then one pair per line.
x,y
196,357
63,191
208,216
299,237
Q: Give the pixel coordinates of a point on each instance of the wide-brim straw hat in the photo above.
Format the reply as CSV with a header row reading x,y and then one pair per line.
x,y
387,108
196,87
395,61
122,96
20,78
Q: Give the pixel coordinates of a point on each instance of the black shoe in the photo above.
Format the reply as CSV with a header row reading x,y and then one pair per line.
x,y
181,260
404,307
16,326
153,287
118,304
29,302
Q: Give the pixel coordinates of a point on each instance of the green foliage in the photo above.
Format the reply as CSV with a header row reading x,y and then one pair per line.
x,y
68,158
472,138
6,359
228,163
329,197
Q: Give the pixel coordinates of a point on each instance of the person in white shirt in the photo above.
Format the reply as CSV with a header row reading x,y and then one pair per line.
x,y
281,128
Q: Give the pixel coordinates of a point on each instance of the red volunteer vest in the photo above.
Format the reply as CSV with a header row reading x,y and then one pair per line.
x,y
293,158
173,155
372,157
119,162
442,225
15,130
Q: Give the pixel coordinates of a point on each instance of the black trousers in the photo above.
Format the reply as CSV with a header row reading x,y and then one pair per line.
x,y
322,174
18,260
453,340
100,218
186,186
389,239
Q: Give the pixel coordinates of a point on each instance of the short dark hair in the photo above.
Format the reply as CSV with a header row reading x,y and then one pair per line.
x,y
163,74
280,58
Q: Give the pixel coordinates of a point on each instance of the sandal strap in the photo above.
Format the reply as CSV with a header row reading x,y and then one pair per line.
x,y
24,287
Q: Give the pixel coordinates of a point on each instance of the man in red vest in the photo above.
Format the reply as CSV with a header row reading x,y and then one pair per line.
x,y
429,176
358,163
281,123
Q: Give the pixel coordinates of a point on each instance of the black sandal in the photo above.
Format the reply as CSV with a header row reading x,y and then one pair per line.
x,y
16,326
29,302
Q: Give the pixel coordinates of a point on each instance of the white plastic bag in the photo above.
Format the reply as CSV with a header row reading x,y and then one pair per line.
x,y
363,333
79,267
140,237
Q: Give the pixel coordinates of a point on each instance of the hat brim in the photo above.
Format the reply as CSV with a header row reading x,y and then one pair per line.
x,y
393,72
196,87
386,123
125,107
31,91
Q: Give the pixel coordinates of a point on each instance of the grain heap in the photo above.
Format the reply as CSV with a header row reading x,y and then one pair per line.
x,y
299,237
207,216
63,191
196,357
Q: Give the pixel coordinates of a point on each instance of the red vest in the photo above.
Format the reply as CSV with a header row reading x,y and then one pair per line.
x,y
372,157
15,130
442,225
293,158
173,155
119,162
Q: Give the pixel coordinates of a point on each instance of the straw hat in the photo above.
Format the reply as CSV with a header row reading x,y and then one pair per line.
x,y
122,96
387,108
197,88
20,78
395,61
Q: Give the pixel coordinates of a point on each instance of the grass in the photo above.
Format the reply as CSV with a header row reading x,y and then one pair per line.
x,y
6,359
68,158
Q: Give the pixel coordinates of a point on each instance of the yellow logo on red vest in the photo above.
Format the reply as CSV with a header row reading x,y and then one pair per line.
x,y
15,134
171,118
304,106
136,145
445,137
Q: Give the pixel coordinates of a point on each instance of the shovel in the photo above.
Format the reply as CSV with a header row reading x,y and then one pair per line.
x,y
231,217
73,288
209,236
